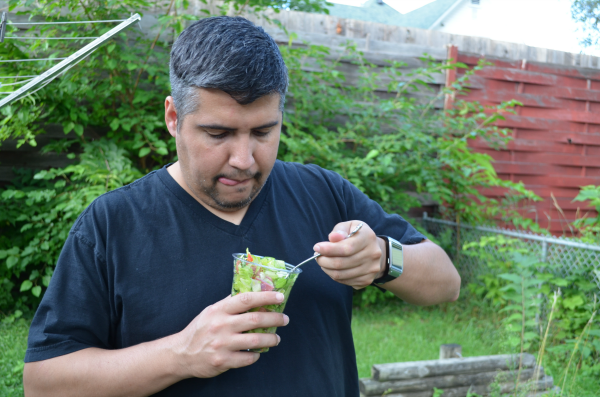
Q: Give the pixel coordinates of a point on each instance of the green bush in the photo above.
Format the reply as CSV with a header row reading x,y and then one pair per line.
x,y
41,209
387,145
545,312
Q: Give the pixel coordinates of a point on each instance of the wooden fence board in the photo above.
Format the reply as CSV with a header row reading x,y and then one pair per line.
x,y
421,369
483,390
370,387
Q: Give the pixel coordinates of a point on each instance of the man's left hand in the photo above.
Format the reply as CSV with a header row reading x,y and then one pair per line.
x,y
355,261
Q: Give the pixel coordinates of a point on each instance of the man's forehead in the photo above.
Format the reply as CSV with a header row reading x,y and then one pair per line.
x,y
214,97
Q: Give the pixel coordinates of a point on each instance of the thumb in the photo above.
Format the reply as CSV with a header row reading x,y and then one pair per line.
x,y
337,235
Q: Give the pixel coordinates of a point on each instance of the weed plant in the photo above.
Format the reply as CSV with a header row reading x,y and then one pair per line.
x,y
546,313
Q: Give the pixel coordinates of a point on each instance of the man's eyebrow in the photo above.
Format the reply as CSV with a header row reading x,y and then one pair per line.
x,y
223,128
268,125
215,127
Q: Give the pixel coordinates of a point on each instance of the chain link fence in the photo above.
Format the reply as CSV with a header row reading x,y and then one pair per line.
x,y
566,255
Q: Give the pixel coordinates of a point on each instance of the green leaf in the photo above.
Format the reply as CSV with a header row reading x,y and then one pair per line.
x,y
530,335
36,291
144,151
40,175
560,282
68,127
573,302
26,286
372,154
512,277
114,124
11,261
515,317
78,128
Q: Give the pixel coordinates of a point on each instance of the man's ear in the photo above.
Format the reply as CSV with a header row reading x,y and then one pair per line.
x,y
171,116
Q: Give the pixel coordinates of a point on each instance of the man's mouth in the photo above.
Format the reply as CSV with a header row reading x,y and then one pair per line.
x,y
231,182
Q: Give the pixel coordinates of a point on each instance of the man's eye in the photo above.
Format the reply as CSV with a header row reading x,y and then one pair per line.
x,y
261,133
218,136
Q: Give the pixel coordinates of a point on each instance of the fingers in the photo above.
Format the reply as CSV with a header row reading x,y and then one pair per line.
x,y
359,276
255,340
243,302
354,261
254,320
243,359
356,273
339,246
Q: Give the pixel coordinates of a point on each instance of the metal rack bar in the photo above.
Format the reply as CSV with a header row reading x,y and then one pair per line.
x,y
48,38
33,59
65,22
64,65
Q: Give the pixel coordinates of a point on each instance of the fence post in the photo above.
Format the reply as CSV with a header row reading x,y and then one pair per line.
x,y
544,251
543,257
451,350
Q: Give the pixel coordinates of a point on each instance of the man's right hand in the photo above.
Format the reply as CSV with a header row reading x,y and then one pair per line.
x,y
213,342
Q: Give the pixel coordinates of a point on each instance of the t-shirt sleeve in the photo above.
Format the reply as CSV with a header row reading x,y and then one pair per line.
x,y
359,206
74,313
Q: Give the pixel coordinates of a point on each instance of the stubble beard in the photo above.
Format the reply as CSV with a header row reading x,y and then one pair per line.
x,y
217,203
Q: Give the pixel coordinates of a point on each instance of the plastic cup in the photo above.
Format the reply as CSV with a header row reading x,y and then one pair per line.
x,y
256,277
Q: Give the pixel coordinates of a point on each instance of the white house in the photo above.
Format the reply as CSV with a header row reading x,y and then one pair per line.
x,y
537,23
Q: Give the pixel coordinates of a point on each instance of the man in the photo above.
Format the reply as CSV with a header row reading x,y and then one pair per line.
x,y
139,303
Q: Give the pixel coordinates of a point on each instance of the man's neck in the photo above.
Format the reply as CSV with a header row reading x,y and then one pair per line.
x,y
234,217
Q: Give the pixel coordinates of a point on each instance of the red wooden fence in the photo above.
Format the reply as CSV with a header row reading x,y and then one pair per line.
x,y
556,133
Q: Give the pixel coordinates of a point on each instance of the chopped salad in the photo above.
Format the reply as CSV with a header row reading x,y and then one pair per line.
x,y
253,273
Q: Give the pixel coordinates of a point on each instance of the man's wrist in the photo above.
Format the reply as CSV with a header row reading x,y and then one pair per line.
x,y
394,263
382,259
176,365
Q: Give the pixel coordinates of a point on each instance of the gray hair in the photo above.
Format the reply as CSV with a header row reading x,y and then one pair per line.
x,y
227,53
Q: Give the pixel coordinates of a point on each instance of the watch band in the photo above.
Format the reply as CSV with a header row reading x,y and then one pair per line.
x,y
394,261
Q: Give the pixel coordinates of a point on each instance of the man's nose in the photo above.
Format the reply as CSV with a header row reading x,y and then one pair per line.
x,y
242,152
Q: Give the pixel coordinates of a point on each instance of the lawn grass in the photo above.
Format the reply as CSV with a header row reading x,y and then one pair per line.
x,y
388,333
13,342
399,332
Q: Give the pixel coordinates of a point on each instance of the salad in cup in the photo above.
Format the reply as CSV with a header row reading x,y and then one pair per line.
x,y
253,273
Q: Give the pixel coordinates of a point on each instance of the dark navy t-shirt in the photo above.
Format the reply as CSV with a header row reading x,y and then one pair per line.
x,y
142,261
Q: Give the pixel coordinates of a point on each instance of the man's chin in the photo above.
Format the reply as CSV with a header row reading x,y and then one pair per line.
x,y
230,199
233,204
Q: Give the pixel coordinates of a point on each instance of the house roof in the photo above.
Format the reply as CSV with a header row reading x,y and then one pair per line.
x,y
372,11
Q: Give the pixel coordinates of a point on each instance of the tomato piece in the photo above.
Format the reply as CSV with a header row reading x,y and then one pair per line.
x,y
265,286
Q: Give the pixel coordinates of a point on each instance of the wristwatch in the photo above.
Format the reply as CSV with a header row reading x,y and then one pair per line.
x,y
394,261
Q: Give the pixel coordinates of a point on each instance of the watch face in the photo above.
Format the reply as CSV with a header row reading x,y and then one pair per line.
x,y
396,259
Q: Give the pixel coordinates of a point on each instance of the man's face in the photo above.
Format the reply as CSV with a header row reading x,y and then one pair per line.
x,y
226,150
